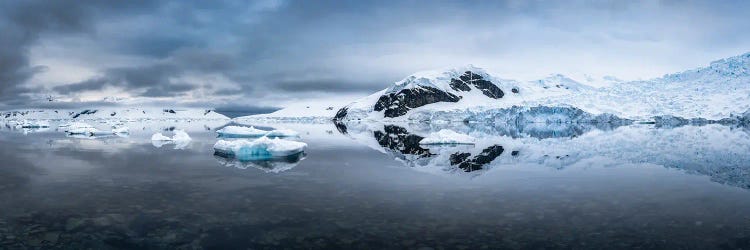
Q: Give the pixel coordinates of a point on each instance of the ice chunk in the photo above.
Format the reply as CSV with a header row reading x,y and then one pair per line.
x,y
80,128
120,130
34,124
181,136
282,133
447,136
238,131
160,137
259,149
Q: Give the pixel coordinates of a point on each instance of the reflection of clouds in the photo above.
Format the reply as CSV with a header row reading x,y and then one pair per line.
x,y
275,165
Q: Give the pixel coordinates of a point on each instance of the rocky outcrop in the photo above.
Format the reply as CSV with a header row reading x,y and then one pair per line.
x,y
398,103
470,78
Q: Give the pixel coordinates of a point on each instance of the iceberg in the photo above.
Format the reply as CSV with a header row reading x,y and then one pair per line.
x,y
120,130
238,131
181,136
447,136
282,133
80,128
260,149
160,137
34,124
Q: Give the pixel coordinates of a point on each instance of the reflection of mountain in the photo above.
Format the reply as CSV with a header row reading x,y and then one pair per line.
x,y
275,165
702,150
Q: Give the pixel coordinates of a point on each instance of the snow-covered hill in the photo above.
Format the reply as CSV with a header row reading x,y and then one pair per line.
x,y
111,113
718,91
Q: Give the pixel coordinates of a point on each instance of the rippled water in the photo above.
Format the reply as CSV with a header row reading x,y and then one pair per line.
x,y
371,186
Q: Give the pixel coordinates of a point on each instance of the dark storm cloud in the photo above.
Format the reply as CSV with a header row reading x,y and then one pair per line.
x,y
23,22
251,50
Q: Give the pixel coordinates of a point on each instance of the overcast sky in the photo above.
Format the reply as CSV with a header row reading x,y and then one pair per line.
x,y
256,55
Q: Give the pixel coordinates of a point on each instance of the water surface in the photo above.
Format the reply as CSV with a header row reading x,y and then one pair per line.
x,y
370,186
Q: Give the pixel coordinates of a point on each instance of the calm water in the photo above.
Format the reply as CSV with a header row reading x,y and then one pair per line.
x,y
371,186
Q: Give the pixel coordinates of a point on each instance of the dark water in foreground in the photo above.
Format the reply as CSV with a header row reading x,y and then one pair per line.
x,y
630,187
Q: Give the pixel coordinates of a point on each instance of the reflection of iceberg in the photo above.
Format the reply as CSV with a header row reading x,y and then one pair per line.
x,y
180,139
274,165
260,149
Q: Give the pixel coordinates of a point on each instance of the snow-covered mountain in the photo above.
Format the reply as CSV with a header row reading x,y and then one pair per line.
x,y
721,90
111,113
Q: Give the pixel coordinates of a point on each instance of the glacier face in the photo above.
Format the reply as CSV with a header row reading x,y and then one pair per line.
x,y
715,92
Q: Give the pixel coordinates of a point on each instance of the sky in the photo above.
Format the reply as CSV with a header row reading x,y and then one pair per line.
x,y
261,55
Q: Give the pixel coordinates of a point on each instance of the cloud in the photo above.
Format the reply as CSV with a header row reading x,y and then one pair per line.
x,y
271,51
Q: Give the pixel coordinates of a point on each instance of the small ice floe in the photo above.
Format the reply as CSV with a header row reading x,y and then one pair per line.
x,y
252,132
446,136
282,133
259,149
34,124
121,130
180,139
238,131
80,128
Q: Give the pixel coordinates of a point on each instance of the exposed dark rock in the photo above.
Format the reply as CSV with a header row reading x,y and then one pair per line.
x,y
170,111
469,78
113,114
459,85
514,90
85,112
458,157
397,104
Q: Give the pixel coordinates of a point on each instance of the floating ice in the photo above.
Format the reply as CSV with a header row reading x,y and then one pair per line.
x,y
238,131
160,137
120,130
181,135
447,136
34,124
282,133
259,149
